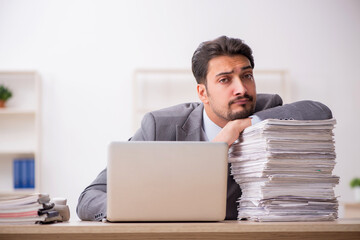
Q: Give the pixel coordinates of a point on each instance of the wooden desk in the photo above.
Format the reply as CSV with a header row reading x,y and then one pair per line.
x,y
340,229
352,210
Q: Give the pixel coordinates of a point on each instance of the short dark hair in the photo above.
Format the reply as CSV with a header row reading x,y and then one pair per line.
x,y
221,46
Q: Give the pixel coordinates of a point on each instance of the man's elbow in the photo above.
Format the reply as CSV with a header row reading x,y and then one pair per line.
x,y
92,205
327,111
319,110
81,208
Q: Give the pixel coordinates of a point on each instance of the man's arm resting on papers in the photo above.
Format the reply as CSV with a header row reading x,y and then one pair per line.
x,y
302,110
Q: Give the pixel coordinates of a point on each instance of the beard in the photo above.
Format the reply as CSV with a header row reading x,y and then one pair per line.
x,y
248,108
230,115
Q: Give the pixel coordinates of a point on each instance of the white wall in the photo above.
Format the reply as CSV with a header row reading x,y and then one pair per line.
x,y
86,52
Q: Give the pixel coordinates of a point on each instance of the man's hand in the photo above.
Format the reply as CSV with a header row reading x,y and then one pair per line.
x,y
232,130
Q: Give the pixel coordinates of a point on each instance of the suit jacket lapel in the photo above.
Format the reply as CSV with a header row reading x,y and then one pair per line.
x,y
192,129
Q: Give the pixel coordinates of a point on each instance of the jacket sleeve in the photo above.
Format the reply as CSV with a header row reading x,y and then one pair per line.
x,y
92,201
265,101
302,110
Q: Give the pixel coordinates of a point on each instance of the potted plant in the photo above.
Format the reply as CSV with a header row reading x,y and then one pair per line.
x,y
5,94
355,184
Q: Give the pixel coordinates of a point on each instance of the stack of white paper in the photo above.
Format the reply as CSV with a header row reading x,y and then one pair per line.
x,y
284,169
31,208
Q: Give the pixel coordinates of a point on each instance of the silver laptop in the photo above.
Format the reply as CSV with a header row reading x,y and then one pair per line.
x,y
166,181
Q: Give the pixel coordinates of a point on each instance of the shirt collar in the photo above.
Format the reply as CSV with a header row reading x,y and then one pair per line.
x,y
210,128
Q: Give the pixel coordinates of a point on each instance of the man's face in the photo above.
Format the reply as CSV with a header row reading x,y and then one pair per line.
x,y
230,92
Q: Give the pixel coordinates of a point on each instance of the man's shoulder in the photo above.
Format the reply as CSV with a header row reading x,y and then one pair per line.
x,y
266,101
180,110
162,125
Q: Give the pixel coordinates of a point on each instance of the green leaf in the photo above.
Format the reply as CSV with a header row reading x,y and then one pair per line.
x,y
355,183
5,93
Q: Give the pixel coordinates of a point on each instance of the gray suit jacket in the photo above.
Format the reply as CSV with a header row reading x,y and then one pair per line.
x,y
184,123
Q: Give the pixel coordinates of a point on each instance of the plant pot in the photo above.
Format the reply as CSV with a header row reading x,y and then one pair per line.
x,y
2,103
357,194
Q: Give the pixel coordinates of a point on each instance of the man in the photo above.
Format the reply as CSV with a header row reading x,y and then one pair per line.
x,y
223,69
